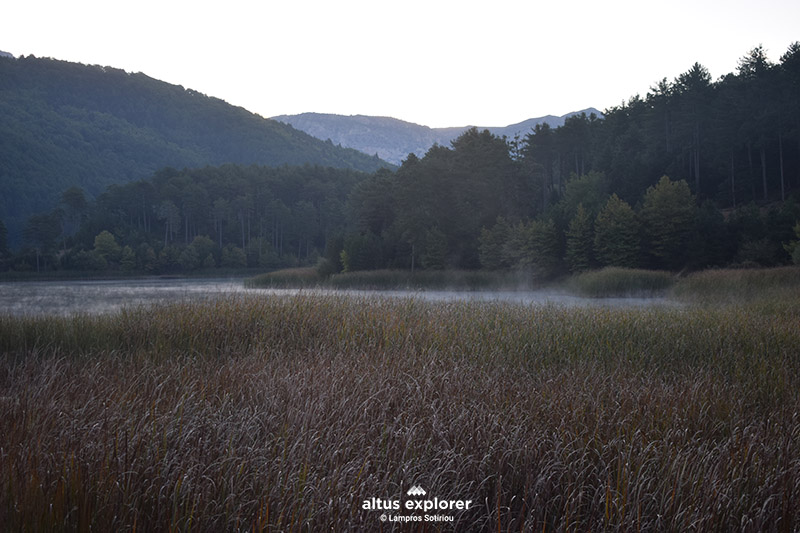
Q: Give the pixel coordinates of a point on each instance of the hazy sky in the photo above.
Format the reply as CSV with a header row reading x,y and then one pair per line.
x,y
433,62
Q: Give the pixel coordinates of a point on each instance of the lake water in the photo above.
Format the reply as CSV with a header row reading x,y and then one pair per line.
x,y
100,296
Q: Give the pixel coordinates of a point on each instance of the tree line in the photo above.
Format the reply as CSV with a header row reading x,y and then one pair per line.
x,y
696,174
178,221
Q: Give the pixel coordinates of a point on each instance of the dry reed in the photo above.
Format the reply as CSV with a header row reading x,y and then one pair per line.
x,y
285,414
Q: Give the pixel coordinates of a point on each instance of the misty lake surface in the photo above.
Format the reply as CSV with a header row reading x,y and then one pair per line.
x,y
102,296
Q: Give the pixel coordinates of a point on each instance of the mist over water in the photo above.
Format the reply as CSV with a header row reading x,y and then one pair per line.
x,y
103,296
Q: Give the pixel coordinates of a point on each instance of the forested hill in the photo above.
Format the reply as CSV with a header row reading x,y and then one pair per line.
x,y
392,139
65,124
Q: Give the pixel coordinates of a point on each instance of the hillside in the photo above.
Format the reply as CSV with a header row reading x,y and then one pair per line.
x,y
392,139
64,124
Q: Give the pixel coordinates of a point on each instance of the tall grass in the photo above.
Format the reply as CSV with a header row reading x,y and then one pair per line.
x,y
396,279
767,285
621,282
300,277
432,279
285,414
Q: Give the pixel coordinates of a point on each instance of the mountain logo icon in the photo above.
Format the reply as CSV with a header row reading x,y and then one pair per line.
x,y
416,490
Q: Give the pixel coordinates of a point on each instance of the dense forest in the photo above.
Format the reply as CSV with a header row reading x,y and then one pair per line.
x,y
65,124
696,174
178,221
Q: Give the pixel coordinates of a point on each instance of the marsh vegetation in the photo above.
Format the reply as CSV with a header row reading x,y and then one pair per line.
x,y
285,413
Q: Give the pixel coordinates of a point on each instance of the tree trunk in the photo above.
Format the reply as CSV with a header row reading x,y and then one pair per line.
x,y
752,175
697,157
261,234
733,181
780,155
762,153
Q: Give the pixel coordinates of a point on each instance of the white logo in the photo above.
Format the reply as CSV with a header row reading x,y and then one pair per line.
x,y
416,490
418,509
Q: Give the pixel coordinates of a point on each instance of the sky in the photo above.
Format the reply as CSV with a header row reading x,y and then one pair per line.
x,y
432,62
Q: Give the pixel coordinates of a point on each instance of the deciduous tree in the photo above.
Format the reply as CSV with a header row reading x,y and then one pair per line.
x,y
580,240
616,234
106,246
668,216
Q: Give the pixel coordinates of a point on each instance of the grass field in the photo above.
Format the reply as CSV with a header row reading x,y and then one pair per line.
x,y
286,414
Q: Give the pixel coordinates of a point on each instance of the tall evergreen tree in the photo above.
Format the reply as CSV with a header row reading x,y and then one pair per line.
x,y
541,157
694,93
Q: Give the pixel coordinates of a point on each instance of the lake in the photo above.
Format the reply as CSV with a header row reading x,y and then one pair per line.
x,y
100,296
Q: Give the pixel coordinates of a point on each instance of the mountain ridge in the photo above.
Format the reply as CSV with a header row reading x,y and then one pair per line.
x,y
392,139
65,124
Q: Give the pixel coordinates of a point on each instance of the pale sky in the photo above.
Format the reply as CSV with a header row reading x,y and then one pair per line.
x,y
432,62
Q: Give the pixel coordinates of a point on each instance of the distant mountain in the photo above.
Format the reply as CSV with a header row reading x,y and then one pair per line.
x,y
526,126
66,124
6,54
392,139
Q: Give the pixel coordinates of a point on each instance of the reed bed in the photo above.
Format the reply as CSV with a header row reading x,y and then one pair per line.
x,y
433,279
621,282
299,277
397,280
734,286
287,413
